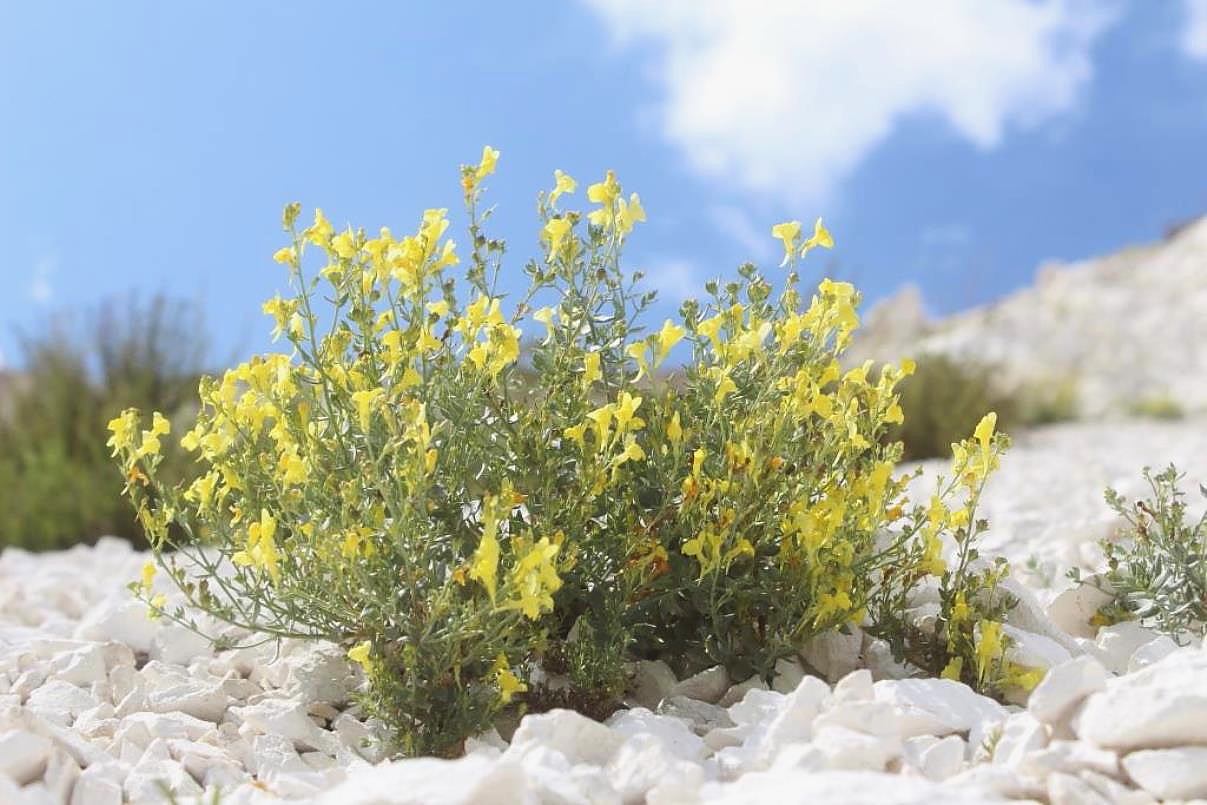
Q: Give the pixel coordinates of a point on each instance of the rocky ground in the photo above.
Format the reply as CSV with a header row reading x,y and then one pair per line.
x,y
99,704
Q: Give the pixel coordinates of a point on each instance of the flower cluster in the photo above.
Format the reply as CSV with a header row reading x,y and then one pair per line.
x,y
458,498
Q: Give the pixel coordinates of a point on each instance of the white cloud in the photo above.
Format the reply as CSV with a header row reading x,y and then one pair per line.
x,y
674,278
788,97
40,288
737,226
1194,35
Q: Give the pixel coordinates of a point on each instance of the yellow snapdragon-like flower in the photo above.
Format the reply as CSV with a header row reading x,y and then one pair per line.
x,y
361,654
563,185
366,400
320,233
670,335
674,430
486,166
148,576
989,648
554,233
820,237
261,551
509,684
123,429
787,232
591,370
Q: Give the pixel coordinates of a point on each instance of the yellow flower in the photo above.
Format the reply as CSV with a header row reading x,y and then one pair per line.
x,y
626,407
123,428
486,166
628,214
361,655
545,317
509,683
602,417
674,431
821,237
591,370
365,400
439,307
485,567
285,255
787,232
637,351
320,233
554,232
148,575
668,336
576,433
725,387
953,669
157,603
563,184
988,648
344,244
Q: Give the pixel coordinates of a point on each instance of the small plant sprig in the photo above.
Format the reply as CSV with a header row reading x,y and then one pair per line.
x,y
1157,568
403,484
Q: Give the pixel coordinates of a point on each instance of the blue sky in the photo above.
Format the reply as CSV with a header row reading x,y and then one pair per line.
x,y
149,146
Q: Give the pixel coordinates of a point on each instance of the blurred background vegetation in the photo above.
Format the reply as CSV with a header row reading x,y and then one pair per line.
x,y
58,485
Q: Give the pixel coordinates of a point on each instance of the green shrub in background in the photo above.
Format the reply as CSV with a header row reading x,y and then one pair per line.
x,y
1048,401
942,402
1163,407
397,485
57,484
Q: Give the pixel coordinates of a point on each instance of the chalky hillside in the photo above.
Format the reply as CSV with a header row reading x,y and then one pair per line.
x,y
603,402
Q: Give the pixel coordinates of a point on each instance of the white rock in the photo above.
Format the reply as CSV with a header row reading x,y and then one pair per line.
x,y
701,716
1119,641
737,692
1179,773
651,682
675,736
1151,652
421,781
1163,705
169,725
95,787
1114,791
935,758
833,654
319,672
60,702
1072,609
788,674
23,756
849,788
61,774
1069,757
868,717
82,666
359,737
940,707
708,686
122,621
148,781
554,778
644,762
793,722
846,749
1020,735
1034,650
178,645
208,702
1065,789
575,736
1064,687
878,659
854,687
286,718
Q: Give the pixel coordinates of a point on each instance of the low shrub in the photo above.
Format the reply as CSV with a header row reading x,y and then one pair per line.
x,y
1161,407
1157,566
395,484
1048,401
942,402
57,486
